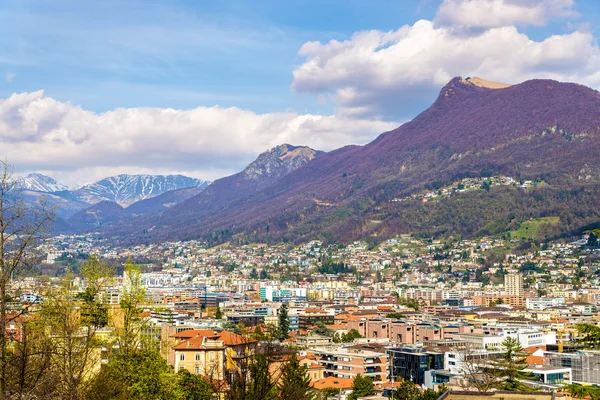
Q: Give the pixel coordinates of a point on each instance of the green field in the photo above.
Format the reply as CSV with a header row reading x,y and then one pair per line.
x,y
529,229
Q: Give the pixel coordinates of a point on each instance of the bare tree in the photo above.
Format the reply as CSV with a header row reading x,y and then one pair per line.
x,y
21,228
476,370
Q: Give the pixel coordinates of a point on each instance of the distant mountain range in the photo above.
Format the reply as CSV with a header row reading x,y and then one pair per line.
x,y
540,130
268,168
128,189
124,190
40,183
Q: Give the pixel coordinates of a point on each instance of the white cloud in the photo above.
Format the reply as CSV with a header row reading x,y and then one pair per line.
x,y
40,133
498,13
398,73
10,76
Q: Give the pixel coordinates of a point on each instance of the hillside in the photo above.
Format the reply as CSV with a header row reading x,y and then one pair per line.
x,y
162,202
539,129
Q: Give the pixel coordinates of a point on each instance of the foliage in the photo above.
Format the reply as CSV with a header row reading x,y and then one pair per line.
x,y
295,383
591,335
284,322
510,366
192,387
139,374
361,386
348,337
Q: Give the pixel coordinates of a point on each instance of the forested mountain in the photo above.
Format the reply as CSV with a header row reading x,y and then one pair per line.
x,y
539,130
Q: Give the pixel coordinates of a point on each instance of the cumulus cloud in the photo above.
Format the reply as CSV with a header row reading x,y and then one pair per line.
x,y
395,74
40,133
498,13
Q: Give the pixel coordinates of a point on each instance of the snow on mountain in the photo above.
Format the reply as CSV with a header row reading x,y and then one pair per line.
x,y
128,189
40,183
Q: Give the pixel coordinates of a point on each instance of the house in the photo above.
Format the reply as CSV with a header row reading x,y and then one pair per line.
x,y
214,354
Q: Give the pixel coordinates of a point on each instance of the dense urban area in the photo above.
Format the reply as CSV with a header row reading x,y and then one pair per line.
x,y
415,316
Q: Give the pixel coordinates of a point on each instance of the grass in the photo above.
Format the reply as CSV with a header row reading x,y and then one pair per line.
x,y
529,229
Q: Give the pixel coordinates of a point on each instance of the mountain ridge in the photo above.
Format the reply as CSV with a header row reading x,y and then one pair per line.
x,y
538,129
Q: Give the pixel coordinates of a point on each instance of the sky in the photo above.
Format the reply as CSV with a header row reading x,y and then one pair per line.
x,y
95,88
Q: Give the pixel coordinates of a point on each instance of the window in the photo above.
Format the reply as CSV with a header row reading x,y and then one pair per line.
x,y
182,357
211,356
197,370
197,356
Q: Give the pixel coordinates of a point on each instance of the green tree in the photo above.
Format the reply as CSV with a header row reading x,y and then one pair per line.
x,y
141,374
258,333
407,391
510,366
295,383
284,322
132,297
263,385
361,386
350,336
192,387
218,313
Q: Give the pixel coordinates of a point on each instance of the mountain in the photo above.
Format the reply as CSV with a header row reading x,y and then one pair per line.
x,y
127,189
40,183
162,202
539,130
64,207
268,168
96,215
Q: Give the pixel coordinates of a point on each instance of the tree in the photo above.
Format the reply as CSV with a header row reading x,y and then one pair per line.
x,y
350,336
139,374
132,297
218,313
284,322
407,391
475,369
21,228
295,383
510,366
361,386
192,387
258,333
76,349
591,335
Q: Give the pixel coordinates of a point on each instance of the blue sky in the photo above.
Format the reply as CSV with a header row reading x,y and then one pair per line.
x,y
100,54
321,73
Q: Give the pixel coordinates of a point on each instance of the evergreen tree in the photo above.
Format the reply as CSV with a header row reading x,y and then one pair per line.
x,y
407,391
258,333
295,383
361,386
262,386
218,313
510,366
284,322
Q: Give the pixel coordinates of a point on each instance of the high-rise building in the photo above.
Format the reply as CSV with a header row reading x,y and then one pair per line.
x,y
513,285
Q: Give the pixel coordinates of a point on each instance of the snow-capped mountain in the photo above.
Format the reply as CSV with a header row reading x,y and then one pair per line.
x,y
40,183
128,189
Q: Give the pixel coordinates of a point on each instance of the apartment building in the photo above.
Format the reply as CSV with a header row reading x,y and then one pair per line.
x,y
342,362
397,331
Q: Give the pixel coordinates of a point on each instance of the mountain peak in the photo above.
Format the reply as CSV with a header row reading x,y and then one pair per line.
x,y
485,83
279,161
126,189
40,183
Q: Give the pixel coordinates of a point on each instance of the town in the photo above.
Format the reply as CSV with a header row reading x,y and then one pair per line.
x,y
411,309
